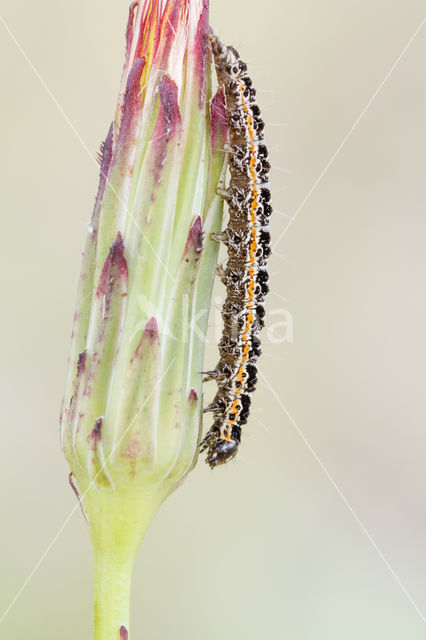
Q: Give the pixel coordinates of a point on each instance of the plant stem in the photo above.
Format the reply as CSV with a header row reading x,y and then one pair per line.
x,y
118,522
113,575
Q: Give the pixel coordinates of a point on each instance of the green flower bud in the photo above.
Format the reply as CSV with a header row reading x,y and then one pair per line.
x,y
131,416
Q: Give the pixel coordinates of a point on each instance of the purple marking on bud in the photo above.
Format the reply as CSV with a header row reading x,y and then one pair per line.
x,y
114,266
200,50
96,435
124,634
218,120
151,329
169,104
193,397
106,152
132,102
133,449
81,369
195,238
81,364
104,156
168,123
77,495
150,333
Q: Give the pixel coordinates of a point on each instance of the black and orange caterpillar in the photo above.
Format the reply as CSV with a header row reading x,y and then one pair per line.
x,y
245,275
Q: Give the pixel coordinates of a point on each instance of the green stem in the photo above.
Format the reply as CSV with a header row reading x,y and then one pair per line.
x,y
113,575
118,522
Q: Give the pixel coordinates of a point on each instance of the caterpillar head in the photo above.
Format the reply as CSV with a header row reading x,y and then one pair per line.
x,y
221,452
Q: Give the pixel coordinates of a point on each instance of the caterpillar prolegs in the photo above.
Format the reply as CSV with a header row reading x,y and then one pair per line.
x,y
248,243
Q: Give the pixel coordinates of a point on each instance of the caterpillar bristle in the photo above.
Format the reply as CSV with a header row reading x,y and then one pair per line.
x,y
209,375
219,237
224,193
211,408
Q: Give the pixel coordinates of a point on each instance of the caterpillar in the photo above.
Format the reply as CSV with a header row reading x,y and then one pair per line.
x,y
245,275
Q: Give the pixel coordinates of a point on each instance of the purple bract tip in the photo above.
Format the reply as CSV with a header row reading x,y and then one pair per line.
x,y
193,397
105,157
151,334
195,237
200,50
124,634
151,329
96,435
106,151
168,123
115,265
132,103
169,104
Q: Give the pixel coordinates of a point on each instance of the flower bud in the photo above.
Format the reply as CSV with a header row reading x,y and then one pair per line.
x,y
131,416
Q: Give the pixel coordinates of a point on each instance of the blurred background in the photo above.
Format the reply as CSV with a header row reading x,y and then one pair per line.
x,y
324,510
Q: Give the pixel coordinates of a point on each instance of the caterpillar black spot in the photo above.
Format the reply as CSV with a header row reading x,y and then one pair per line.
x,y
245,275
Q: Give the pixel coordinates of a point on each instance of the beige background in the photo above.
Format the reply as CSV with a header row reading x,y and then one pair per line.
x,y
266,547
